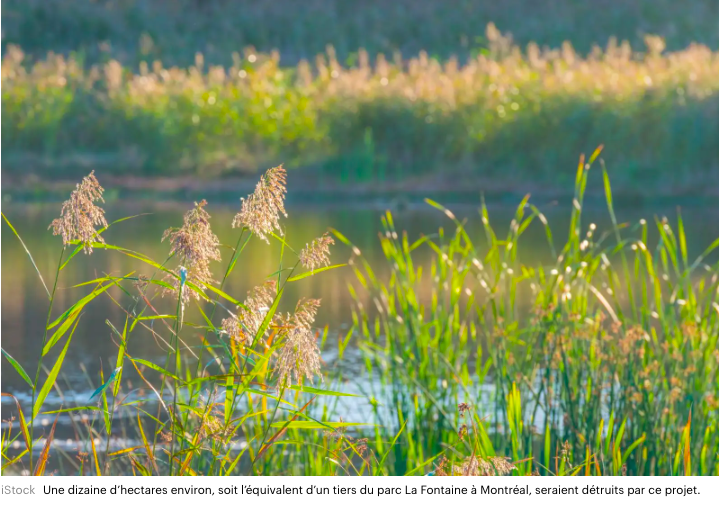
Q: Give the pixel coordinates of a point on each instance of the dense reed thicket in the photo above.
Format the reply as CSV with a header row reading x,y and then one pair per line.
x,y
614,346
605,361
388,120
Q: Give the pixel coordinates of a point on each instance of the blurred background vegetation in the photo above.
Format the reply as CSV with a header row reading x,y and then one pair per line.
x,y
174,30
463,93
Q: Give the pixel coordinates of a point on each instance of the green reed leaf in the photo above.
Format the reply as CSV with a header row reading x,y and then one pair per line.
x,y
49,296
18,368
50,381
314,272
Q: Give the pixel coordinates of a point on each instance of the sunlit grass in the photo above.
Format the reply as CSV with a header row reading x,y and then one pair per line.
x,y
613,346
523,114
219,404
469,361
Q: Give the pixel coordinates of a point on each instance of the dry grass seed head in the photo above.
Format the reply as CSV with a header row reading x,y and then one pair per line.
x,y
194,242
317,253
215,429
79,215
243,327
195,245
261,210
299,357
477,467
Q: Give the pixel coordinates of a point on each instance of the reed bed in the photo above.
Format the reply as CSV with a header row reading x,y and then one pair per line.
x,y
382,118
604,361
235,391
472,363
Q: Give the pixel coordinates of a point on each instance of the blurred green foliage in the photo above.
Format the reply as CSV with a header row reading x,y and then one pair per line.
x,y
506,114
173,30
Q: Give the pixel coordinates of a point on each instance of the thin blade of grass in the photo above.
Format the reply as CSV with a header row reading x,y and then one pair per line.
x,y
314,272
23,424
42,460
29,255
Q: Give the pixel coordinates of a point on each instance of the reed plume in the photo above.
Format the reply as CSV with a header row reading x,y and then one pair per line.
x,y
317,252
243,327
261,210
79,215
299,356
474,466
195,245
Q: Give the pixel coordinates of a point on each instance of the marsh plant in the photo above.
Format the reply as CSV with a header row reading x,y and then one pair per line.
x,y
466,360
604,361
380,116
233,395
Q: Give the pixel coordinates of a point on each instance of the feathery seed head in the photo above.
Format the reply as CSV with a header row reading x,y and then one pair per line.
x,y
195,245
477,467
474,466
260,212
317,253
79,215
243,327
299,356
194,242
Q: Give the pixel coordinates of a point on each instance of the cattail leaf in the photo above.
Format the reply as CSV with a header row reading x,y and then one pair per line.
x,y
100,231
60,332
94,454
139,467
88,298
391,446
126,450
154,367
281,431
148,450
282,241
632,447
222,294
77,250
73,409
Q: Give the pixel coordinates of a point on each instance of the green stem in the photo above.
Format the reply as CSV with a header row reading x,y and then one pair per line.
x,y
174,342
236,251
269,423
39,363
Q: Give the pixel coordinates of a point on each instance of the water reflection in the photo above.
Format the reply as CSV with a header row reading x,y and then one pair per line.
x,y
24,300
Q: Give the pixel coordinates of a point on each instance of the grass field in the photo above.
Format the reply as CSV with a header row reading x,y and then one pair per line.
x,y
603,361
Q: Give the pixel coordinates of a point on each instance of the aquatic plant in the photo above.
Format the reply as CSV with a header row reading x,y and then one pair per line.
x,y
602,360
613,345
212,408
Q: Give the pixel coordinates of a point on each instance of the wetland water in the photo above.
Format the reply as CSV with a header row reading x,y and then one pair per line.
x,y
24,301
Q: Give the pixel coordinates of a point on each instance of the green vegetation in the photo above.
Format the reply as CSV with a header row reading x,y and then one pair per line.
x,y
613,345
603,362
506,115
